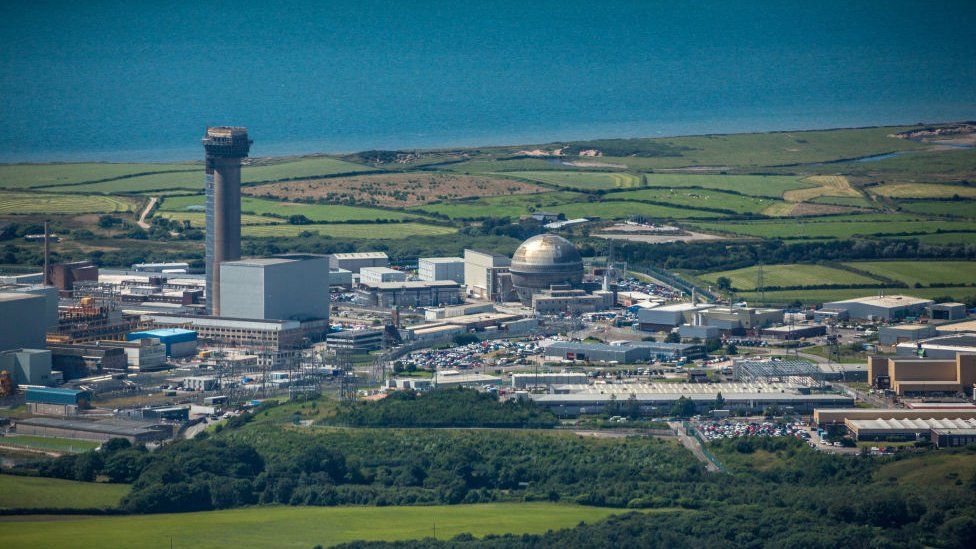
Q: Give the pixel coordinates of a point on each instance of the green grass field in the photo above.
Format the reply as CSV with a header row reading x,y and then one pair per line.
x,y
350,230
300,169
22,176
961,208
302,527
795,274
922,272
624,210
501,206
55,444
191,181
772,186
323,213
36,202
698,198
199,219
923,190
52,493
838,227
580,180
943,239
813,297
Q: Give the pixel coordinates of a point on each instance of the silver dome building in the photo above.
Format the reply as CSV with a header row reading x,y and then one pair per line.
x,y
542,261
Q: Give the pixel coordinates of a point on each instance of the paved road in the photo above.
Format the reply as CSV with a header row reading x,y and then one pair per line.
x,y
142,217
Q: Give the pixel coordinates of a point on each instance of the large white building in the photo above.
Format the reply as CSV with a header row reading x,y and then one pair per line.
x,y
357,260
884,307
441,268
376,275
486,275
283,287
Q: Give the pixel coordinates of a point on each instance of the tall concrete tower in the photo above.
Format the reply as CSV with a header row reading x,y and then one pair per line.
x,y
225,147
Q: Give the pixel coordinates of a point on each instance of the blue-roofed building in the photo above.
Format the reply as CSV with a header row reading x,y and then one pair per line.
x,y
52,401
179,342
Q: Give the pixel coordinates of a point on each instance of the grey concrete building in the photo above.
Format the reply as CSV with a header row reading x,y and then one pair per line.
x,y
483,275
885,307
441,268
625,353
375,275
283,287
23,320
28,366
409,294
355,261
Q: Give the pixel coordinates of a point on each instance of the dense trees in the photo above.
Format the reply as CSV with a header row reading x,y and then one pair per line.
x,y
443,408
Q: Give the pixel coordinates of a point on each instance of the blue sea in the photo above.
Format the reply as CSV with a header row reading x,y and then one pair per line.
x,y
139,80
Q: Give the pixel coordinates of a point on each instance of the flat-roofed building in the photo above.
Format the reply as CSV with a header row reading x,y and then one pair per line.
x,y
968,326
77,360
739,320
625,353
893,335
100,431
275,341
28,366
912,375
838,416
887,307
487,276
904,428
796,331
357,260
520,381
555,301
282,287
356,341
943,347
178,342
409,294
441,268
947,311
25,321
375,275
667,317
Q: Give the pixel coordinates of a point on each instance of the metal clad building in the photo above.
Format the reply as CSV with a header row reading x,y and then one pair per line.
x,y
283,287
23,320
441,268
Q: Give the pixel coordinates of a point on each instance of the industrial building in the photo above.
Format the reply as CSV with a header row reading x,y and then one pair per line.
x,y
178,342
274,340
51,299
739,320
841,415
101,431
487,276
668,317
564,300
78,360
911,429
353,262
201,383
409,294
942,347
947,311
454,378
659,398
521,381
956,328
282,287
340,278
893,335
47,401
356,341
885,307
179,267
440,313
704,333
376,275
90,320
63,276
544,261
794,332
24,321
630,352
907,375
28,366
143,355
441,268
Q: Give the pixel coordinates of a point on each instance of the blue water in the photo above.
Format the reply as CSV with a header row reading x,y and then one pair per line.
x,y
139,80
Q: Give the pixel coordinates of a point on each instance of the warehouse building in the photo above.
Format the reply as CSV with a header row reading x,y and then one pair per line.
x,y
893,335
630,352
521,381
25,320
441,268
100,431
968,326
282,287
355,261
49,401
942,347
907,375
340,278
886,307
376,275
947,311
28,366
409,294
659,398
178,342
739,320
668,317
909,429
795,332
839,416
487,275
455,378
